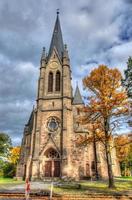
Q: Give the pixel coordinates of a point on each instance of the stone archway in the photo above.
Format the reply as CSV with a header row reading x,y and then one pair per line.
x,y
52,163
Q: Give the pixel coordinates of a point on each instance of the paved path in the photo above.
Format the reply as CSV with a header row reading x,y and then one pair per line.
x,y
35,186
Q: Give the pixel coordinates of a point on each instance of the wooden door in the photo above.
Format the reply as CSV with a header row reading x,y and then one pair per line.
x,y
56,168
48,168
24,176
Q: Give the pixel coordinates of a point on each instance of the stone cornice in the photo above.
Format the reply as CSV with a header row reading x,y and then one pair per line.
x,y
51,98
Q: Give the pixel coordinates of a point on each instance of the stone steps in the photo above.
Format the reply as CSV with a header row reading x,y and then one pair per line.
x,y
67,197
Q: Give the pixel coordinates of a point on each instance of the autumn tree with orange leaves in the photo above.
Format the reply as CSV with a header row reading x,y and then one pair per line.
x,y
123,144
14,155
107,100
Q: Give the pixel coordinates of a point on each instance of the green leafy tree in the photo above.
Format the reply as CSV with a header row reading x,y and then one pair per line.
x,y
9,170
5,144
127,82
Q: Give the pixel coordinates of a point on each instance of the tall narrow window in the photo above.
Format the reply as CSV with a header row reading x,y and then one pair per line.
x,y
50,82
57,85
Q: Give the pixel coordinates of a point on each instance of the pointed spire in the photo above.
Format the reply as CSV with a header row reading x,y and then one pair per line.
x,y
65,52
66,60
77,97
43,54
57,40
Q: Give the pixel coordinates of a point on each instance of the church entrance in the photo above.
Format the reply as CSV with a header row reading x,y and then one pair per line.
x,y
52,164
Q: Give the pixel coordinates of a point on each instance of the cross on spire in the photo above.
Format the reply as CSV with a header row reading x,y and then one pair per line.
x,y
58,11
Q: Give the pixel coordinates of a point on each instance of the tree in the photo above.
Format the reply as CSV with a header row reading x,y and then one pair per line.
x,y
123,145
5,144
107,100
130,157
127,82
14,155
92,138
9,170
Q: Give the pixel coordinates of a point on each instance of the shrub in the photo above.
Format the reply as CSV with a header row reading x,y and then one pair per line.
x,y
9,170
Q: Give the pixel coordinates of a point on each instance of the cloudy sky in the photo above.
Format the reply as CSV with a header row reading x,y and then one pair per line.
x,y
96,32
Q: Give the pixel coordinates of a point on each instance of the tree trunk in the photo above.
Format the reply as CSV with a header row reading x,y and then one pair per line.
x,y
108,155
109,165
125,169
95,157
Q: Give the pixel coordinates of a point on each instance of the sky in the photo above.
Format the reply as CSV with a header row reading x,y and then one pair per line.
x,y
96,32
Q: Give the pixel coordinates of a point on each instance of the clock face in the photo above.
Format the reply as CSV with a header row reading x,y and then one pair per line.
x,y
52,124
53,65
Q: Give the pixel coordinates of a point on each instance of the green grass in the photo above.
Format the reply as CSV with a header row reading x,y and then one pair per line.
x,y
6,182
88,187
123,186
124,178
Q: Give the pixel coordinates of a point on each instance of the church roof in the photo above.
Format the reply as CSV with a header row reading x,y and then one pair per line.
x,y
77,97
30,122
57,40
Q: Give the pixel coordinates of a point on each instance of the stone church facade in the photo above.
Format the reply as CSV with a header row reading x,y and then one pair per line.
x,y
48,146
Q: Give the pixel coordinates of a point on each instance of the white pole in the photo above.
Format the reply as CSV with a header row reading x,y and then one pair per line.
x,y
51,190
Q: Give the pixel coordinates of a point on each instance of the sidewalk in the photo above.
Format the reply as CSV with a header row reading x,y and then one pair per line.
x,y
35,187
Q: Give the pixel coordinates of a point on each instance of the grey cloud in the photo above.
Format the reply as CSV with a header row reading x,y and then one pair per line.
x,y
15,81
128,1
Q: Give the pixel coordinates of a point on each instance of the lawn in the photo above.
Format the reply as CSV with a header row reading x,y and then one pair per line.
x,y
124,178
5,183
9,181
123,186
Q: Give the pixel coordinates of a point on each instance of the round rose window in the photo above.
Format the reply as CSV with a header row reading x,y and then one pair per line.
x,y
52,124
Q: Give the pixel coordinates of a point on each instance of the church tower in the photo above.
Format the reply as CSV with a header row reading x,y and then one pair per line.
x,y
48,146
50,137
53,109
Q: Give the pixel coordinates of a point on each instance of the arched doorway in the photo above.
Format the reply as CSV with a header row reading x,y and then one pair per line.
x,y
24,176
52,163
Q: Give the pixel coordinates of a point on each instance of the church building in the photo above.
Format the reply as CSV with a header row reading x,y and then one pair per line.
x,y
48,146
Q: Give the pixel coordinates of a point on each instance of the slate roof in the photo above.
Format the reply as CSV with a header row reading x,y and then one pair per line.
x,y
57,40
30,122
77,97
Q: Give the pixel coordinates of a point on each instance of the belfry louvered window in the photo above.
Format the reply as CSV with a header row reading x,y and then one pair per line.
x,y
50,82
57,85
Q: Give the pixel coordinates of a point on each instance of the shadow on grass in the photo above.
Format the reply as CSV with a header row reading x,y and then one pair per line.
x,y
97,187
93,192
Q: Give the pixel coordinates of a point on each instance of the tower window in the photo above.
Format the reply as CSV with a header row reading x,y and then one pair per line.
x,y
57,85
78,111
53,103
93,165
50,82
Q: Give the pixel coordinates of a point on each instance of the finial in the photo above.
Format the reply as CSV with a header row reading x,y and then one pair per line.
x,y
44,49
43,53
65,46
57,11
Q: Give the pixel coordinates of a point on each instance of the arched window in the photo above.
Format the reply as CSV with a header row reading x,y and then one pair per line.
x,y
50,82
57,85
